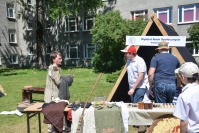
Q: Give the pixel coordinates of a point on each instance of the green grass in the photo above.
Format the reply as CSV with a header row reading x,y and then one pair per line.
x,y
13,80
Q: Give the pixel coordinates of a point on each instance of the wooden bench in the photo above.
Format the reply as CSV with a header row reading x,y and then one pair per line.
x,y
27,92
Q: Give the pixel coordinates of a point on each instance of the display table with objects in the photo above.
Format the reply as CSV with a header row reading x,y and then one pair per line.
x,y
33,110
147,116
107,117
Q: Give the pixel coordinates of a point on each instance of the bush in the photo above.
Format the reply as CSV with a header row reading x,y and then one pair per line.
x,y
109,34
112,78
194,34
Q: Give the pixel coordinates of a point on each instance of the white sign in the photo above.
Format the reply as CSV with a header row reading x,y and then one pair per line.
x,y
178,41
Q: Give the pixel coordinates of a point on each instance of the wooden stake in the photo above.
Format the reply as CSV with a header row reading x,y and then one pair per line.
x,y
82,115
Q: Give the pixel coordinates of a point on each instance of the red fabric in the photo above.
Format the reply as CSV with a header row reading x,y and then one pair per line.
x,y
69,116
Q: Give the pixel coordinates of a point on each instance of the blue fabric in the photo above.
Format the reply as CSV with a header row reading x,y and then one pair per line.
x,y
138,95
164,92
177,93
165,65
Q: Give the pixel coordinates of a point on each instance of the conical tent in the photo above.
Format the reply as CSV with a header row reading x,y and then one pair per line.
x,y
155,27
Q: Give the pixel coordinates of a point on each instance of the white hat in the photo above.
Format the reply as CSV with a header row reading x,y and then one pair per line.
x,y
188,69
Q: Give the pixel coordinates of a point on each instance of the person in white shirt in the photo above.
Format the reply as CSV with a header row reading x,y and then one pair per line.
x,y
187,106
137,74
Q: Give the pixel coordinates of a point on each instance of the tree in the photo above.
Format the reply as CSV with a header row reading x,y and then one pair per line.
x,y
194,34
109,34
56,10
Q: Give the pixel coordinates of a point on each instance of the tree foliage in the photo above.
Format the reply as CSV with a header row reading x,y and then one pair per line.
x,y
60,8
109,34
56,9
194,34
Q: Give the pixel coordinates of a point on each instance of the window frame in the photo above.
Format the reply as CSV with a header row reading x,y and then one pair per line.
x,y
29,50
11,59
47,24
0,61
29,2
10,37
47,50
134,14
86,47
28,27
68,25
167,10
8,12
85,20
69,47
181,11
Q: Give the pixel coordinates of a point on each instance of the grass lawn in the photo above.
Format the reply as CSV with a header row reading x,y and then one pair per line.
x,y
13,80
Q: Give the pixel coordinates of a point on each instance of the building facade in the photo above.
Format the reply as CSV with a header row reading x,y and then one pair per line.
x,y
71,35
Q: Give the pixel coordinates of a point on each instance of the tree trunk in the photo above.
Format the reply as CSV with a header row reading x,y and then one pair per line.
x,y
40,35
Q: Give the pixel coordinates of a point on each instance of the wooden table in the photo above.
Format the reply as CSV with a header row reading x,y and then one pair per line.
x,y
27,92
146,116
33,110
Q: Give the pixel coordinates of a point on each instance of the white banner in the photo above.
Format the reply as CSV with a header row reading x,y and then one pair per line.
x,y
178,41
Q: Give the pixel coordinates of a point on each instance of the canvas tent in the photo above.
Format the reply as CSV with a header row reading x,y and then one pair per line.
x,y
155,27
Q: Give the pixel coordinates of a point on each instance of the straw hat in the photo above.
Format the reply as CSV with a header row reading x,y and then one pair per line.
x,y
163,45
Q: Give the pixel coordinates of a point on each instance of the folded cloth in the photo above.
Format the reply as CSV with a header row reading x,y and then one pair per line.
x,y
53,114
109,119
88,125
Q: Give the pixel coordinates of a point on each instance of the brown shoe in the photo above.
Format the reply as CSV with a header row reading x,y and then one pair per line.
x,y
142,129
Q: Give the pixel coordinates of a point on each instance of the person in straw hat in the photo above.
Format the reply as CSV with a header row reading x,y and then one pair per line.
x,y
187,107
161,74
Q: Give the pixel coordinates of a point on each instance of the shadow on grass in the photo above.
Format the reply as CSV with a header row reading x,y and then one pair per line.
x,y
9,72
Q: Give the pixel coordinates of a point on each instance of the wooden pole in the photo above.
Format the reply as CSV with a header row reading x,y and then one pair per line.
x,y
82,115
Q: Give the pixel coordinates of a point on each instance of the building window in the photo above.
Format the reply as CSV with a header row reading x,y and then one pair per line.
x,y
72,52
29,2
164,14
196,51
71,24
30,25
47,24
48,50
13,59
87,23
10,11
89,50
188,13
12,38
30,49
139,14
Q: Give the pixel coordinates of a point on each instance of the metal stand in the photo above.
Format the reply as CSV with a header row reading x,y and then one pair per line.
x,y
29,116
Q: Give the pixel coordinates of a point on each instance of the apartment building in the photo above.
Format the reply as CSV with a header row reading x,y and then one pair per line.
x,y
71,34
181,14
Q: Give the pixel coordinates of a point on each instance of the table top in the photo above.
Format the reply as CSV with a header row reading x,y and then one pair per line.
x,y
37,108
162,109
